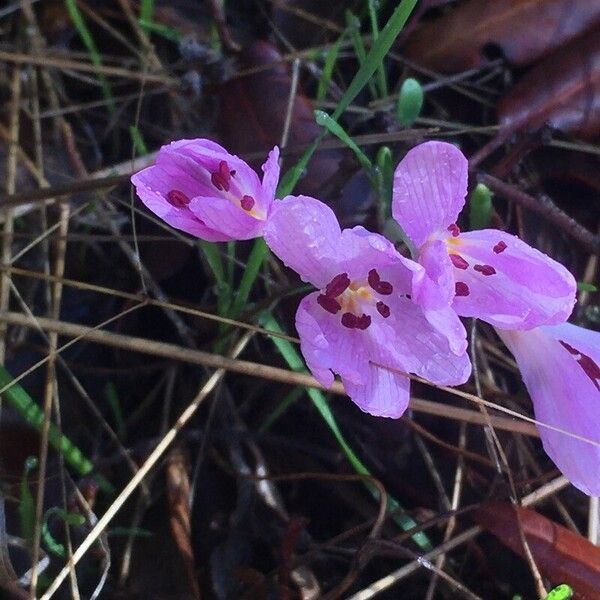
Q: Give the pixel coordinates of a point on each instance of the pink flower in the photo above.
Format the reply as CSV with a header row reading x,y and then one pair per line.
x,y
363,319
488,274
560,367
198,187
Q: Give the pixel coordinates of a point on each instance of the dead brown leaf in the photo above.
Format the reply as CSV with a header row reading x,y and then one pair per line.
x,y
524,30
561,555
562,91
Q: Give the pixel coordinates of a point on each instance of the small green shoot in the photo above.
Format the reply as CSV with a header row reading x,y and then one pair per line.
x,y
330,60
584,286
385,175
146,10
480,207
26,503
138,141
112,398
159,29
561,592
49,540
410,102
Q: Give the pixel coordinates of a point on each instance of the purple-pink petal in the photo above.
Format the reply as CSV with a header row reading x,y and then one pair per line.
x,y
510,284
189,170
271,170
153,185
430,185
438,288
304,233
230,219
560,366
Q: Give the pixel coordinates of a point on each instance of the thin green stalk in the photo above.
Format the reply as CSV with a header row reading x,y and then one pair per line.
x,y
90,44
330,60
146,10
353,25
323,119
255,260
383,87
23,403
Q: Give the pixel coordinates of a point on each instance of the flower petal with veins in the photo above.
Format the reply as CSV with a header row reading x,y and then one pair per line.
x,y
560,367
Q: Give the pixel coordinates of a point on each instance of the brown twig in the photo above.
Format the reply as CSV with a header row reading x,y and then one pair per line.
x,y
545,207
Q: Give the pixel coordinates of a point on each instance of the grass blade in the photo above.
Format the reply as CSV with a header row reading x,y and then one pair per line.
x,y
336,129
372,61
24,404
92,49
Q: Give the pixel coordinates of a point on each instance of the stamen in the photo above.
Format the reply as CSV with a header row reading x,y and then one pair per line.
x,y
373,278
349,320
383,309
454,230
247,202
338,285
177,199
485,269
461,288
220,179
329,304
499,247
363,322
384,288
588,365
459,262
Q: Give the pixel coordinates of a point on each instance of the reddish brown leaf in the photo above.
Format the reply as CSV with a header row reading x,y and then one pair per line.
x,y
254,108
523,30
563,91
561,555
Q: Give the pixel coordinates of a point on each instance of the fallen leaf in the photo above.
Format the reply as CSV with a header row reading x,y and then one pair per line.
x,y
562,91
523,30
561,555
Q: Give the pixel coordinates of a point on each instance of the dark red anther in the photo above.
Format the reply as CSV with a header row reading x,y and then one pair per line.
x,y
220,179
588,365
247,202
383,309
177,199
363,322
454,230
338,285
349,320
485,269
384,288
329,304
461,288
459,262
499,247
